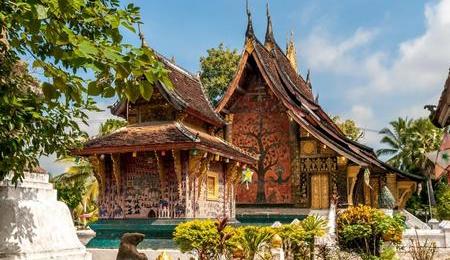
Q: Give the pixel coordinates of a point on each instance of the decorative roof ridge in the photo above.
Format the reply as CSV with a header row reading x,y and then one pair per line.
x,y
249,33
177,67
269,38
209,102
186,132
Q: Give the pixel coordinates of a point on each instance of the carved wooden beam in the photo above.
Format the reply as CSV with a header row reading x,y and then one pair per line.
x,y
194,166
116,171
352,174
99,171
405,189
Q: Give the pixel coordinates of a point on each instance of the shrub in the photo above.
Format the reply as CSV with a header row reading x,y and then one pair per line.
x,y
294,241
255,241
443,202
363,228
199,236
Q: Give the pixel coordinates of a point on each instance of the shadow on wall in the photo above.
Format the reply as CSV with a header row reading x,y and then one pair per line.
x,y
16,222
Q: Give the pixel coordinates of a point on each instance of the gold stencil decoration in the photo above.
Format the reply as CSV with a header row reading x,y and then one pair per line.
x,y
177,168
194,166
308,147
116,170
161,171
204,168
320,164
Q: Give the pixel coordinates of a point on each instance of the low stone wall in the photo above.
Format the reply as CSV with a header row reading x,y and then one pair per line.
x,y
111,254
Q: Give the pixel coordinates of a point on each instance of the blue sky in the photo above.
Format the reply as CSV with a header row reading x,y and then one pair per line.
x,y
371,61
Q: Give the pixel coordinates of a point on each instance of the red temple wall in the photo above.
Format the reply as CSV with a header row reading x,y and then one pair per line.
x,y
261,126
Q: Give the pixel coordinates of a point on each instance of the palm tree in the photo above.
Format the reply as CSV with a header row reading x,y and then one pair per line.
x,y
396,138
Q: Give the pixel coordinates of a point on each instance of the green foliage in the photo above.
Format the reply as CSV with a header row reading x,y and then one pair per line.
x,y
443,201
200,236
255,241
349,128
217,70
110,126
77,47
408,141
363,228
70,193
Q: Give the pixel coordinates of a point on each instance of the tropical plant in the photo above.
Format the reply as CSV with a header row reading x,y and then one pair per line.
x,y
255,241
408,141
217,70
70,193
363,229
443,201
77,47
314,226
349,128
294,244
110,125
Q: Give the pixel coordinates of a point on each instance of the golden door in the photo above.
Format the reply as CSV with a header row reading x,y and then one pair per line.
x,y
320,191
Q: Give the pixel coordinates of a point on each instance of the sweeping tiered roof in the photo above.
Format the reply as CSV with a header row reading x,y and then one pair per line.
x,y
296,95
441,116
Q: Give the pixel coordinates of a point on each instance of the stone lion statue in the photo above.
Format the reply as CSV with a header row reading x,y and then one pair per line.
x,y
128,250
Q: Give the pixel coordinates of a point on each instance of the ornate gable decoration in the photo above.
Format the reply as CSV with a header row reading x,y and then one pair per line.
x,y
319,164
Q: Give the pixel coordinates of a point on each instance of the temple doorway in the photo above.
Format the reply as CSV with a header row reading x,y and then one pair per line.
x,y
320,197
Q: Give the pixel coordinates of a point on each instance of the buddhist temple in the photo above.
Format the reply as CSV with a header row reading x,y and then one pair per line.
x,y
305,160
170,161
440,115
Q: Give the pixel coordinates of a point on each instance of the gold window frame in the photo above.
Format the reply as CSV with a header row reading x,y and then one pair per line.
x,y
212,193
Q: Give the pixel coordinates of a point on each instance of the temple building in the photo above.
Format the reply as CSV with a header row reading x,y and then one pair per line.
x,y
440,114
168,162
305,160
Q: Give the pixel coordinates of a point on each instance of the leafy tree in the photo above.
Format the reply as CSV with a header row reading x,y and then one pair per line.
x,y
217,70
110,126
408,141
77,46
349,127
70,193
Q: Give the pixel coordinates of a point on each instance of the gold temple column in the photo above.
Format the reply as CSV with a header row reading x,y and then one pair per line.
x,y
352,174
391,183
116,170
228,136
405,190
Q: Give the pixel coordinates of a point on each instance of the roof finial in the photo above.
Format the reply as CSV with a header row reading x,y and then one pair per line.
x,y
308,79
141,36
291,52
249,33
270,41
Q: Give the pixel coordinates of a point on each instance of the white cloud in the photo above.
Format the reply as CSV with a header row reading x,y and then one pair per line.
x,y
380,86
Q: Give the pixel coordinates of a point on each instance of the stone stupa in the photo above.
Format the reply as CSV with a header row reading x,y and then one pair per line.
x,y
33,224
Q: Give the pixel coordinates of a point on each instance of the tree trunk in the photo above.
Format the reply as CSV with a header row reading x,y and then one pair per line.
x,y
261,192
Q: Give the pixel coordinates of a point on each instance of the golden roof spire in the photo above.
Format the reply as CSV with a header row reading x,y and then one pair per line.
x,y
291,52
249,33
141,36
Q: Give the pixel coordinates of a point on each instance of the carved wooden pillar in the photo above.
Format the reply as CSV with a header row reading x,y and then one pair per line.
x,y
352,174
193,168
294,146
229,128
177,168
161,170
116,171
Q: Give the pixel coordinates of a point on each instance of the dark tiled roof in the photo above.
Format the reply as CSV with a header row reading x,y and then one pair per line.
x,y
297,96
162,136
438,117
190,90
187,92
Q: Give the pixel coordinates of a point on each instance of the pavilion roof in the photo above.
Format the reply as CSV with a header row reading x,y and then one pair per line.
x,y
296,95
187,94
163,135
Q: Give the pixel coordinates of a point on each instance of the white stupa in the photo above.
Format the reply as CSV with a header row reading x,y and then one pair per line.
x,y
33,224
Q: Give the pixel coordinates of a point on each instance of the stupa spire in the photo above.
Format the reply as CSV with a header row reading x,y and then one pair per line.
x,y
291,52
